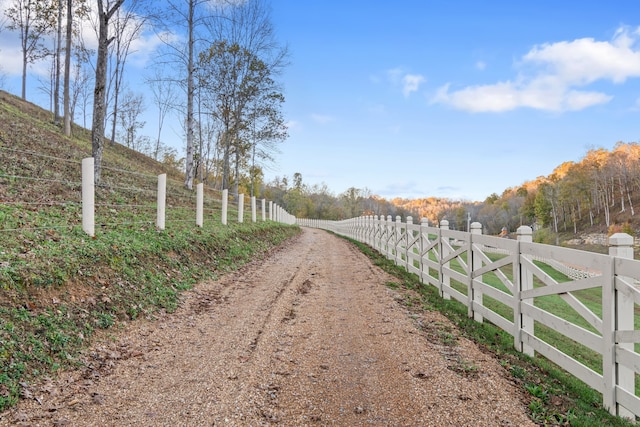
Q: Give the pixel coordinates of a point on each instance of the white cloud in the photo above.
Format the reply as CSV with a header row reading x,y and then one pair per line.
x,y
557,72
11,55
143,47
322,118
411,83
408,82
481,65
140,51
584,61
506,96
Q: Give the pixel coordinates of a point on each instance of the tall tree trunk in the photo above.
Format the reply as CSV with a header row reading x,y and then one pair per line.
x,y
188,178
99,95
236,181
24,74
56,61
201,160
225,160
115,104
252,170
67,71
621,191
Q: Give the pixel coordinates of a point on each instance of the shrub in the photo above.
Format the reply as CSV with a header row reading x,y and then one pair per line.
x,y
624,228
544,235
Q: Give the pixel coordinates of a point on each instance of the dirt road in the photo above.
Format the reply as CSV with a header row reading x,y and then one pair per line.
x,y
309,336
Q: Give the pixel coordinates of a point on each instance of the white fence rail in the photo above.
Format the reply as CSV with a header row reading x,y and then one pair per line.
x,y
505,282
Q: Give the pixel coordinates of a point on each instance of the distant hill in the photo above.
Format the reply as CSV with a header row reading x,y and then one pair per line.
x,y
599,193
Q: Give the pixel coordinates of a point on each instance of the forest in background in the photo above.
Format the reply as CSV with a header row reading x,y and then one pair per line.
x,y
599,193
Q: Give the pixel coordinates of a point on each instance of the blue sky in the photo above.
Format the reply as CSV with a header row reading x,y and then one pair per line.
x,y
456,99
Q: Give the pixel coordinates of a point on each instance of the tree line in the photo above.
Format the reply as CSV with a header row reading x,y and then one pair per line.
x,y
217,68
601,191
319,202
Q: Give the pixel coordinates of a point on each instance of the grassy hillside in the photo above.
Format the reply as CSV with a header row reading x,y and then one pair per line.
x,y
58,286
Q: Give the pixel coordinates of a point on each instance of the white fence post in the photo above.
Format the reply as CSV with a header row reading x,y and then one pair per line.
x,y
270,210
444,251
390,236
381,234
424,268
525,283
162,201
621,246
88,196
200,204
375,233
476,262
225,205
240,207
253,208
397,241
264,212
407,238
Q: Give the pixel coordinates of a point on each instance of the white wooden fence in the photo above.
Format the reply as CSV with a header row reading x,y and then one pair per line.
x,y
276,213
494,278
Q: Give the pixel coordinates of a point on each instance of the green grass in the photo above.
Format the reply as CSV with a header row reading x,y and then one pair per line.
x,y
591,298
555,396
121,274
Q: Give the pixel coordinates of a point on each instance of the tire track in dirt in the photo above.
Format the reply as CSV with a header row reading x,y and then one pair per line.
x,y
308,336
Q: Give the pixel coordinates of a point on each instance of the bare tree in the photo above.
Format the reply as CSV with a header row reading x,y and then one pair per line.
x,y
99,93
189,171
183,51
81,91
129,114
164,98
57,53
83,74
127,27
67,69
32,19
211,153
80,10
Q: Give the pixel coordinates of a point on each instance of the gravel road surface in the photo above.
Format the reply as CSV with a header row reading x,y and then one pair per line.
x,y
309,336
